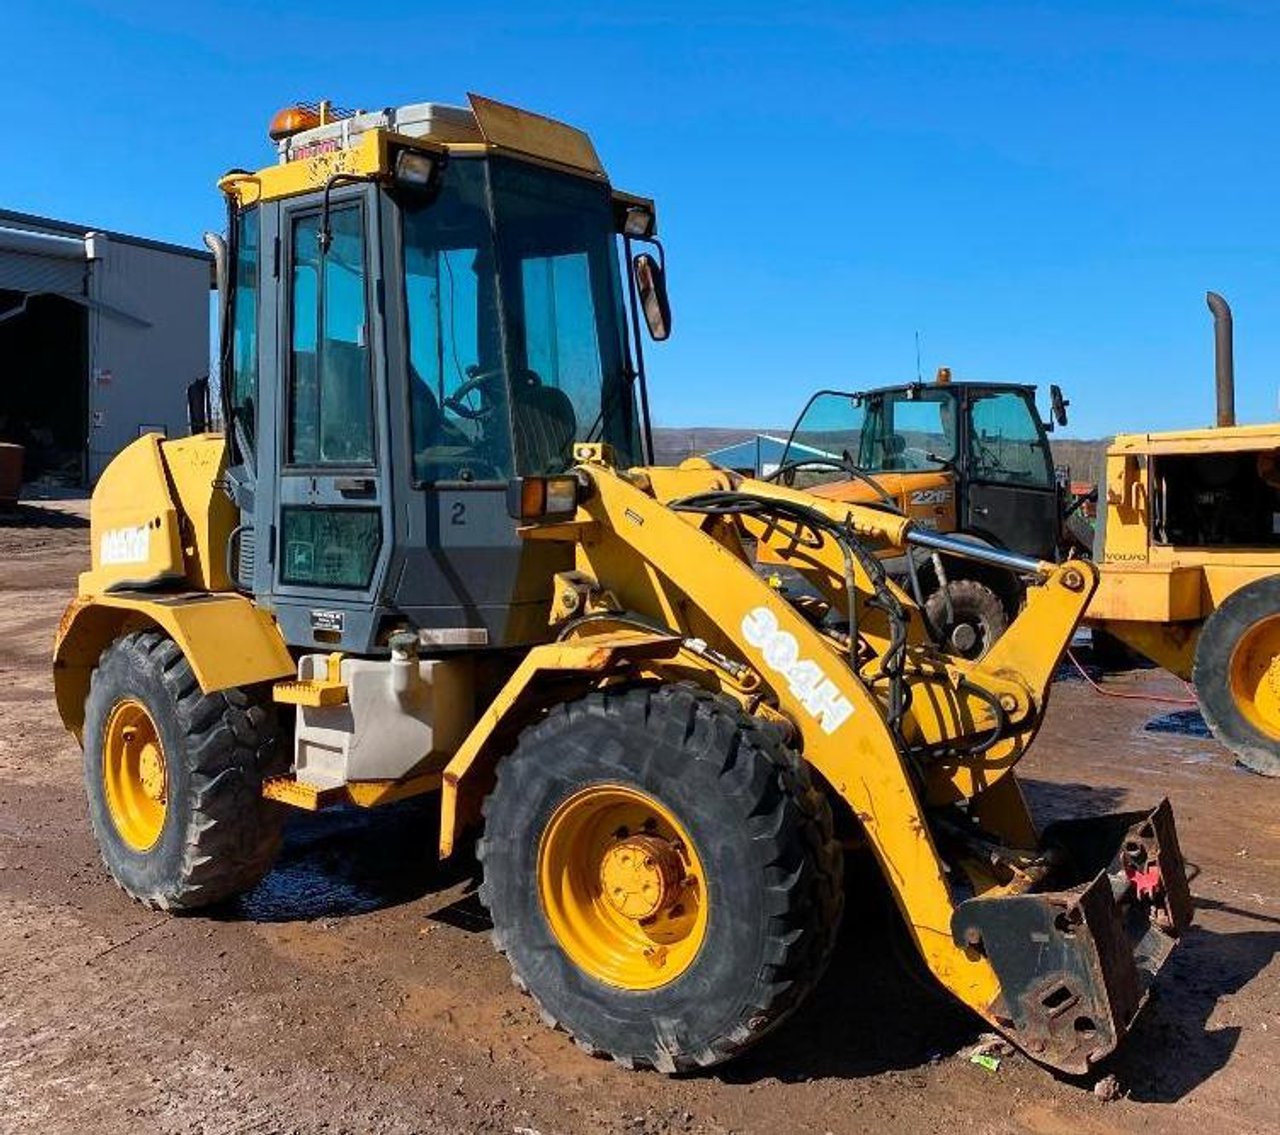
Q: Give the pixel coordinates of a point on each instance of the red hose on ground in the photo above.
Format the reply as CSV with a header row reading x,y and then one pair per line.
x,y
1122,694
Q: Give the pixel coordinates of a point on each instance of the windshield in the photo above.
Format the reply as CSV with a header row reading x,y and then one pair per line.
x,y
829,427
516,335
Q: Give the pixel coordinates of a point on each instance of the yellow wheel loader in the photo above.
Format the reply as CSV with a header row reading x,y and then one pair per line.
x,y
426,555
1189,549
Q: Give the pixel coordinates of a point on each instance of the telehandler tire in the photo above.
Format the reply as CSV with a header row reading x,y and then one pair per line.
x,y
978,617
174,777
661,874
1236,674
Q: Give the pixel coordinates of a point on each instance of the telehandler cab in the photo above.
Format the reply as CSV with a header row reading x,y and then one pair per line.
x,y
426,555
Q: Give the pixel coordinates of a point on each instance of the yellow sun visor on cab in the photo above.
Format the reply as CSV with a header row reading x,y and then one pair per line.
x,y
523,132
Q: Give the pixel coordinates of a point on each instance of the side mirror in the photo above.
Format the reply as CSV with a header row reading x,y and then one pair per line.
x,y
651,282
1059,404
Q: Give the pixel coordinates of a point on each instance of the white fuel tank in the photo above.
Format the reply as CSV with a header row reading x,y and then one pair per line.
x,y
398,715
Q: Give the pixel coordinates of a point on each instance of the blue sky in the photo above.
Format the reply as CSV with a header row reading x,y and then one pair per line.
x,y
1043,191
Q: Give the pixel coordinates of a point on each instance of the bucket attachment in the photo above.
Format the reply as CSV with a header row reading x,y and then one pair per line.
x,y
1075,964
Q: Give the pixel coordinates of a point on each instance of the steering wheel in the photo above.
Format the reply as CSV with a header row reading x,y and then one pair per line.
x,y
478,381
786,474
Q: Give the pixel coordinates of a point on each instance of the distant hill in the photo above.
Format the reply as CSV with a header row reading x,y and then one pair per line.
x,y
672,444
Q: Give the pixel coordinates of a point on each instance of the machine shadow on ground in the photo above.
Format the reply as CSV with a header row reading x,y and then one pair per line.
x,y
349,861
1172,1049
27,515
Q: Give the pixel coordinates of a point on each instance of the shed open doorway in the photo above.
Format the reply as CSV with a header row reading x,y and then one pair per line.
x,y
44,363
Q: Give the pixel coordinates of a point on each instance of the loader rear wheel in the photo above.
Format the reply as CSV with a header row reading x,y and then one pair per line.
x,y
977,617
1236,675
661,874
174,777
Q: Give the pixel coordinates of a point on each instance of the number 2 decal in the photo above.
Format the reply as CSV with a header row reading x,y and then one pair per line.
x,y
458,513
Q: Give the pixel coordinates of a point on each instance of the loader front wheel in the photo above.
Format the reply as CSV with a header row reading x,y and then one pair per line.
x,y
174,776
1236,674
661,874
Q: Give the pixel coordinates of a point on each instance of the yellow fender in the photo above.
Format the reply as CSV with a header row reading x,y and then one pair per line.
x,y
227,639
468,776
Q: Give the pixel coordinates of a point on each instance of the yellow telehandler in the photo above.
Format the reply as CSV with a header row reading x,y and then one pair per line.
x,y
425,554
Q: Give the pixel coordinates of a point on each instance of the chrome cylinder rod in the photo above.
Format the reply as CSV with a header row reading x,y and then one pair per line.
x,y
980,553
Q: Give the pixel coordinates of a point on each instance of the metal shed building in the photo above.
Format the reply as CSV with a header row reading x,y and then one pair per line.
x,y
760,456
100,334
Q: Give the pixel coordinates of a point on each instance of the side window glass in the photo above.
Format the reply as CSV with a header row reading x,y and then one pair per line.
x,y
244,326
330,394
1006,442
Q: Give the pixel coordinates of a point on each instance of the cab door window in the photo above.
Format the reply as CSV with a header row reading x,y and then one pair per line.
x,y
330,393
1006,443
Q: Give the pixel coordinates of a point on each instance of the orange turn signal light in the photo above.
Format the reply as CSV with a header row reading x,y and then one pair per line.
x,y
542,498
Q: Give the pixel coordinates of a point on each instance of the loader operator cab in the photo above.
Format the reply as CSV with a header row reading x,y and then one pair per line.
x,y
423,306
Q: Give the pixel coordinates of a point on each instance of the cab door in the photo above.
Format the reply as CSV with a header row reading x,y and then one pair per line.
x,y
1012,497
332,502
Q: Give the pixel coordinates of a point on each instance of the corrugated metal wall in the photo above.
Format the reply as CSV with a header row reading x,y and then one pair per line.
x,y
23,272
148,339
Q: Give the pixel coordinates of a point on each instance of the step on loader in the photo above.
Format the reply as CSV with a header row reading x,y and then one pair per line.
x,y
427,553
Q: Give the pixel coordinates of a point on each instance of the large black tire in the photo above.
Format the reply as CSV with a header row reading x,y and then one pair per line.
x,y
978,617
219,836
1229,664
760,827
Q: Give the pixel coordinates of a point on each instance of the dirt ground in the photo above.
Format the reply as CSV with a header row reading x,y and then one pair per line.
x,y
356,990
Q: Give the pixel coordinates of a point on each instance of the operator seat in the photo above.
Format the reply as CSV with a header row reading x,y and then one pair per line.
x,y
895,446
544,422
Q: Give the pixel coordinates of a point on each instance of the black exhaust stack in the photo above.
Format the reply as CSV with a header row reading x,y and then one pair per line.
x,y
1224,366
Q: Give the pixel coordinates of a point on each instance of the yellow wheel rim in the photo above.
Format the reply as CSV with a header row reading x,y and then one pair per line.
x,y
1254,676
134,775
622,887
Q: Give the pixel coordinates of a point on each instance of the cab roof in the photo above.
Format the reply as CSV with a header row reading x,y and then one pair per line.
x,y
333,141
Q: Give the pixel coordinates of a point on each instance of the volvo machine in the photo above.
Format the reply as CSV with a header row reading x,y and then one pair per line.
x,y
426,554
1189,551
970,458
